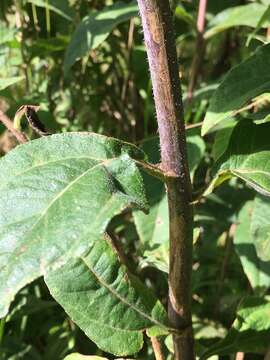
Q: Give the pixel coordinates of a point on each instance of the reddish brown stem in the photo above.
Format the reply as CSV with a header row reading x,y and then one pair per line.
x,y
201,16
161,50
157,348
9,125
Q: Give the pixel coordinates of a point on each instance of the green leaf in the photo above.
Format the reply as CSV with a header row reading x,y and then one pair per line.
x,y
222,139
260,228
6,82
57,195
196,149
263,19
244,15
250,331
111,306
6,33
256,270
28,305
247,157
158,255
243,83
181,13
45,4
95,28
77,356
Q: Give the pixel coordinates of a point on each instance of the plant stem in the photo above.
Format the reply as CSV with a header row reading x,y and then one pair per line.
x,y
157,348
20,24
240,356
200,47
20,136
2,329
48,19
160,44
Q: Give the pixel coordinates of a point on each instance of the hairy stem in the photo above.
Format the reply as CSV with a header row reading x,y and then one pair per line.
x,y
160,44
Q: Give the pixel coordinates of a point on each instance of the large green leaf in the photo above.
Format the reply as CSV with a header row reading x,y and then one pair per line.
x,y
260,228
57,195
245,15
6,82
112,307
247,157
250,331
243,83
257,271
95,28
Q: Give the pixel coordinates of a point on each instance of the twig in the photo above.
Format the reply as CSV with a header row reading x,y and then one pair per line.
x,y
225,262
20,136
267,355
192,126
240,356
268,33
157,348
129,48
252,105
161,50
199,50
2,329
20,21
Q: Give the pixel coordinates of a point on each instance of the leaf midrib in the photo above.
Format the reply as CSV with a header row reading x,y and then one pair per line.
x,y
44,212
103,161
123,300
250,171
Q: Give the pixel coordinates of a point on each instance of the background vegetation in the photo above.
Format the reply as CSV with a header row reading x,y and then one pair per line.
x,y
84,63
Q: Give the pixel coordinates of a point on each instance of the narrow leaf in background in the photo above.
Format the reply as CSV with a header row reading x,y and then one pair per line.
x,y
244,15
95,28
48,5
